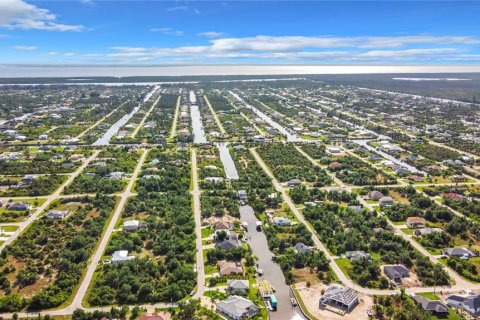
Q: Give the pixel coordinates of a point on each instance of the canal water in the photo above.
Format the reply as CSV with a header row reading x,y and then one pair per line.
x,y
271,271
290,136
104,140
197,127
228,164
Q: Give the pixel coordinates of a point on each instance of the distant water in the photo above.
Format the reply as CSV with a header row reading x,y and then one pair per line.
x,y
27,71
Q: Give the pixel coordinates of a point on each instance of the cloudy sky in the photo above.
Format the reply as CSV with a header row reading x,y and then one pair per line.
x,y
239,32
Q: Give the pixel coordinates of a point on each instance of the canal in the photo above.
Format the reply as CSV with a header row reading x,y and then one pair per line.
x,y
104,140
228,164
197,127
271,271
290,136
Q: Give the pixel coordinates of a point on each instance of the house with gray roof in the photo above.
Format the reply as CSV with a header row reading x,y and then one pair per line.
x,y
301,248
19,206
396,272
386,201
426,231
469,303
238,286
231,242
131,225
459,252
57,214
375,195
294,182
339,297
436,307
237,308
357,255
115,176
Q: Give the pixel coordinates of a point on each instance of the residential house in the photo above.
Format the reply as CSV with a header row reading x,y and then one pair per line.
x,y
223,226
357,255
116,176
242,195
415,178
386,201
214,179
294,182
77,157
231,242
453,196
19,206
462,253
334,150
227,268
426,231
155,316
435,307
121,256
281,221
415,222
469,303
301,248
339,297
335,165
29,178
396,272
238,286
131,225
237,308
375,195
57,214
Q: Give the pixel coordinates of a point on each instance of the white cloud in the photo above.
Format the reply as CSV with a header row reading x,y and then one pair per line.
x,y
212,34
183,8
18,14
325,49
25,48
168,31
52,53
87,2
178,8
69,54
291,43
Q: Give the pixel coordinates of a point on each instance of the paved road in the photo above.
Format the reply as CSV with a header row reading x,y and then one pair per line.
x,y
215,116
77,300
140,125
460,283
198,228
173,130
300,218
99,121
80,294
290,136
364,143
23,225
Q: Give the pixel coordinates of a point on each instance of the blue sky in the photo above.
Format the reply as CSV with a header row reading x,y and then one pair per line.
x,y
260,32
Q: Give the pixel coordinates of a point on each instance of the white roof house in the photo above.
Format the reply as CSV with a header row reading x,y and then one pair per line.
x,y
121,256
131,225
116,175
57,214
281,221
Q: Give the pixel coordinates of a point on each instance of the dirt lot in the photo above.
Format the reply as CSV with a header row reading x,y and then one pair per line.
x,y
310,297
